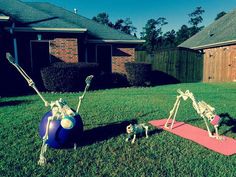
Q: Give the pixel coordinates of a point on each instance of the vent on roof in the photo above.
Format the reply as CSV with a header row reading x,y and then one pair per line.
x,y
75,11
210,33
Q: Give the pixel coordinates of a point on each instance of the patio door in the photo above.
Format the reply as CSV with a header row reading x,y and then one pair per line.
x,y
39,58
104,55
39,55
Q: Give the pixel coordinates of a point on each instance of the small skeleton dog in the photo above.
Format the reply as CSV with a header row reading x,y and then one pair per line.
x,y
206,111
135,130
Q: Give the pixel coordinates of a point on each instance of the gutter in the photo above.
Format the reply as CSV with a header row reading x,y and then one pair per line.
x,y
14,43
218,44
4,18
131,41
60,30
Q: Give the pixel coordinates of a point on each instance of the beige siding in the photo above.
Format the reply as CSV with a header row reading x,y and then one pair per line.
x,y
220,64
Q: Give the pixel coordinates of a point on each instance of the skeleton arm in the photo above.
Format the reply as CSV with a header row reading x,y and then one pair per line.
x,y
88,82
26,77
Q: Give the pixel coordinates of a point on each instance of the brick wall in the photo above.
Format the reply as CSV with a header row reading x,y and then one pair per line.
x,y
120,56
65,49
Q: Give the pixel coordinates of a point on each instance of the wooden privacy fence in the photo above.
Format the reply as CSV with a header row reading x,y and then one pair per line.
x,y
185,65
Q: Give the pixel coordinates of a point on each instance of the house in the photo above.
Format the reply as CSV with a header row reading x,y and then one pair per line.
x,y
38,34
218,44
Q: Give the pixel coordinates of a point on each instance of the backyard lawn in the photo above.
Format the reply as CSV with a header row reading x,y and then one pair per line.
x,y
103,151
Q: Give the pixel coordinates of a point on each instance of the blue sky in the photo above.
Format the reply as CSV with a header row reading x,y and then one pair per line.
x,y
139,11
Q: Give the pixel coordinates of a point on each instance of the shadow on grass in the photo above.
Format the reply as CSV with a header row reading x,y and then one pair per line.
x,y
162,78
105,132
148,113
13,103
229,121
155,131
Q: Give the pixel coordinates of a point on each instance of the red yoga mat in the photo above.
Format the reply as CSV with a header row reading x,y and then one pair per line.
x,y
227,146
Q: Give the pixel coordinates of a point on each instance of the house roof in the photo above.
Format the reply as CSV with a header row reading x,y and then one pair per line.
x,y
46,17
219,33
26,16
96,31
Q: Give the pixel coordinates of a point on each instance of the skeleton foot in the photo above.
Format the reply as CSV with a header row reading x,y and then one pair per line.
x,y
75,146
42,161
127,139
167,126
221,138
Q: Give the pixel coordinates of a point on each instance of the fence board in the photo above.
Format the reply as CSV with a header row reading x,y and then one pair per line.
x,y
183,64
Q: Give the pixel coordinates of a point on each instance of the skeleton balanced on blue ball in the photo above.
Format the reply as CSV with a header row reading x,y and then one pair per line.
x,y
61,126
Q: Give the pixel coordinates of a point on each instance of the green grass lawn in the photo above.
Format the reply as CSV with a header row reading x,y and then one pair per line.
x,y
104,151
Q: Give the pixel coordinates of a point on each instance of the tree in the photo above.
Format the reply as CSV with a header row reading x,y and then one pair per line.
x,y
182,34
195,20
152,33
170,39
103,18
125,26
219,15
195,16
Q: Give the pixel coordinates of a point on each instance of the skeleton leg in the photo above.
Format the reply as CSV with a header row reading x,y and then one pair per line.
x,y
146,131
208,129
133,139
173,112
217,136
176,110
42,160
127,139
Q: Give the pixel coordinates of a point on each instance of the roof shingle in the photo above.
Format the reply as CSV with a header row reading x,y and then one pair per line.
x,y
26,15
95,30
46,15
220,32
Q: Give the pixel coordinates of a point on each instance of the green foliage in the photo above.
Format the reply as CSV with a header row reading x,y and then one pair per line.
x,y
152,33
103,18
155,39
138,73
67,77
195,20
105,152
183,34
170,39
125,25
196,16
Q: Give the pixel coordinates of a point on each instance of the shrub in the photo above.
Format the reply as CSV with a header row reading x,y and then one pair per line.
x,y
138,73
67,77
110,80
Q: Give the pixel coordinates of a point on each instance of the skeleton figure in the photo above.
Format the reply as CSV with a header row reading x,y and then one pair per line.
x,y
60,109
203,109
135,130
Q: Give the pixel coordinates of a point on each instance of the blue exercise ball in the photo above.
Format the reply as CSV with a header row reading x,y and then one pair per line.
x,y
59,137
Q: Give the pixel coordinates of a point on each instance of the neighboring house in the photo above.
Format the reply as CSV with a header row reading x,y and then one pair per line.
x,y
218,44
38,34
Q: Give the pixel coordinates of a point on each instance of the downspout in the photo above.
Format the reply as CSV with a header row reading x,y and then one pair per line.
x,y
86,48
14,43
